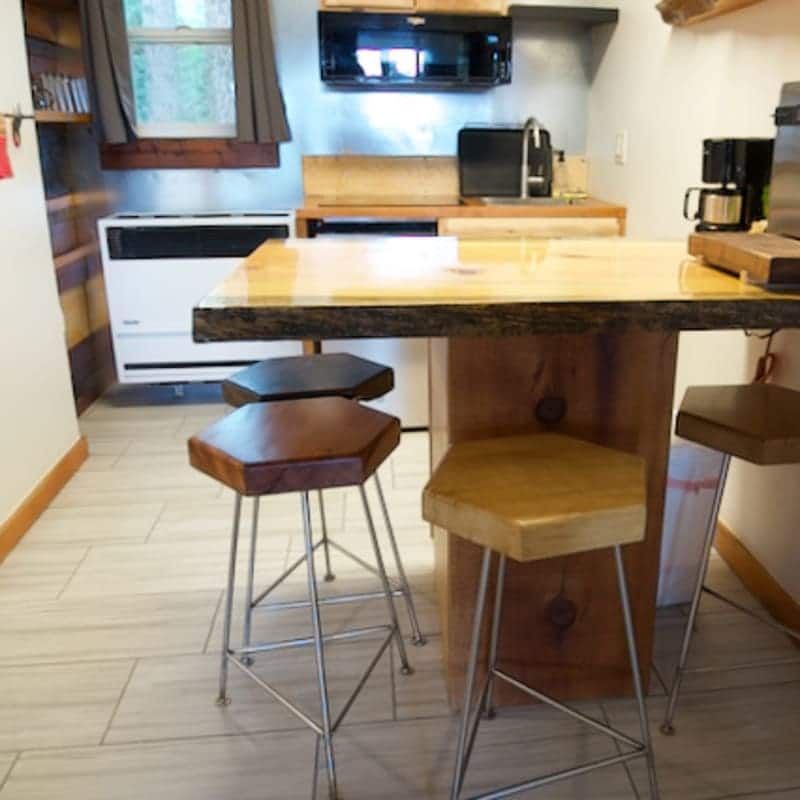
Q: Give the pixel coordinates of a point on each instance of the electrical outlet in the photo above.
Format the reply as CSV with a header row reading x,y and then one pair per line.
x,y
621,148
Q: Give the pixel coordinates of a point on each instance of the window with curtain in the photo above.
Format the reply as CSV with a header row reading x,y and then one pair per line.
x,y
182,68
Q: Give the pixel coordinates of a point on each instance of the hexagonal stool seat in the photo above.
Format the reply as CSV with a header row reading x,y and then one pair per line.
x,y
527,498
318,376
300,446
295,446
759,423
535,497
294,378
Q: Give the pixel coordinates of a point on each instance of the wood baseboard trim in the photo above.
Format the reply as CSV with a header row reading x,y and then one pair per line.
x,y
31,508
752,573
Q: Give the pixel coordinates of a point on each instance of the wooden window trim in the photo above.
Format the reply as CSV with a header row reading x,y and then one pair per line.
x,y
188,154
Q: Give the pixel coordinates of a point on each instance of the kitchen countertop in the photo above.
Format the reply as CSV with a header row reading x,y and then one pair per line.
x,y
428,287
437,207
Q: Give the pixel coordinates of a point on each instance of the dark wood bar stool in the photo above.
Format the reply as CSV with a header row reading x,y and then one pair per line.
x,y
324,375
530,498
759,423
301,446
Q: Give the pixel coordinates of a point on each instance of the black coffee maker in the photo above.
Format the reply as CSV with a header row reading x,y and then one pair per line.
x,y
742,170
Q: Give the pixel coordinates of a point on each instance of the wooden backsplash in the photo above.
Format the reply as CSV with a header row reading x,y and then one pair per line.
x,y
418,178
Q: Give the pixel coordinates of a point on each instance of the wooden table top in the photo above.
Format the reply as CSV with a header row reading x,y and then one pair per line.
x,y
420,287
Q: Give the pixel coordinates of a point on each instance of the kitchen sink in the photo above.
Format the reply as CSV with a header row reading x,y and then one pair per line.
x,y
530,201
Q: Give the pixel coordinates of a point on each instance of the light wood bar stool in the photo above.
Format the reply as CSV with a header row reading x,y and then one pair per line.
x,y
759,423
324,375
528,498
301,446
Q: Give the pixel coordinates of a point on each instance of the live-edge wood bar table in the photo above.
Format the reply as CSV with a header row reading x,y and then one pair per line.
x,y
575,336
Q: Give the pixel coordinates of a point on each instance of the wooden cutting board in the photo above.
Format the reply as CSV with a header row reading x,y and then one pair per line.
x,y
761,258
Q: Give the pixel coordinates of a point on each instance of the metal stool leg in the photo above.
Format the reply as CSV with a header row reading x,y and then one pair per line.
x,y
387,587
222,698
319,648
326,549
495,637
637,677
419,639
667,726
251,574
472,669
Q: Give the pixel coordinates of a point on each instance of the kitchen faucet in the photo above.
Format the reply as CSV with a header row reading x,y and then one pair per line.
x,y
532,127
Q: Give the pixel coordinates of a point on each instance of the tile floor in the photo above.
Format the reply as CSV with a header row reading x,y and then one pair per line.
x,y
109,633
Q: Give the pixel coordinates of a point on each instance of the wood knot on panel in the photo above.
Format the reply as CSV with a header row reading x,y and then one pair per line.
x,y
551,410
562,612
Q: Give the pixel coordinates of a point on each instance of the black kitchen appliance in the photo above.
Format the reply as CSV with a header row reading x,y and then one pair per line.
x,y
741,170
379,51
490,161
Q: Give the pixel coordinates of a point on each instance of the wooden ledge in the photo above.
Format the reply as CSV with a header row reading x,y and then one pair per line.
x,y
188,154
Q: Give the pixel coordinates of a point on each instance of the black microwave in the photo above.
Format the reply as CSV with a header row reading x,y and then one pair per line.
x,y
438,51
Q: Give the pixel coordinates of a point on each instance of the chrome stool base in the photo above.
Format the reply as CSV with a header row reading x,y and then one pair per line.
x,y
401,588
243,657
667,727
471,718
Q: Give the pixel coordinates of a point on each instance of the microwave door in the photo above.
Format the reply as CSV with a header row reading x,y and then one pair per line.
x,y
394,50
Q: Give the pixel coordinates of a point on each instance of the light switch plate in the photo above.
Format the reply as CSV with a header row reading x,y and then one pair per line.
x,y
621,148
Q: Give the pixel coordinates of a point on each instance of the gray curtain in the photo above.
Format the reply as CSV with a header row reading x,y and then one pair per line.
x,y
260,111
108,69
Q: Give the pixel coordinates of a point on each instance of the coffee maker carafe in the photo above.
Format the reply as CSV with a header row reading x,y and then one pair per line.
x,y
741,168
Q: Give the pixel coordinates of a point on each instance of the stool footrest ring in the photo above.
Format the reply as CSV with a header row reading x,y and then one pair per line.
x,y
305,641
551,701
327,601
554,777
767,620
233,658
258,602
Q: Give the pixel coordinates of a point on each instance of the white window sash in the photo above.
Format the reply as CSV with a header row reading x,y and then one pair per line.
x,y
182,35
185,130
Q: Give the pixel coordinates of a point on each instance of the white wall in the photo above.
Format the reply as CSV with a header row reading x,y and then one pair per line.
x,y
37,412
670,89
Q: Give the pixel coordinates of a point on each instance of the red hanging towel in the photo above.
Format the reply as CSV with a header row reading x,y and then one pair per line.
x,y
5,164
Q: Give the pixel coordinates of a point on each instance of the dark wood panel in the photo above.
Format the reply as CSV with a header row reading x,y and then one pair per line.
x,y
78,271
562,630
59,26
47,57
188,154
63,232
54,153
92,366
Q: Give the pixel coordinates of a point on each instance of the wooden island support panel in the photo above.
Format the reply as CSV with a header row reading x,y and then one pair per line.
x,y
575,337
562,626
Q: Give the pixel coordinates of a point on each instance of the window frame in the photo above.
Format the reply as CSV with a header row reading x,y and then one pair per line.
x,y
183,34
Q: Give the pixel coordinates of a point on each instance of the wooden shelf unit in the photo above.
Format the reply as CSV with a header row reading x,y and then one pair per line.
x,y
690,12
47,115
77,196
